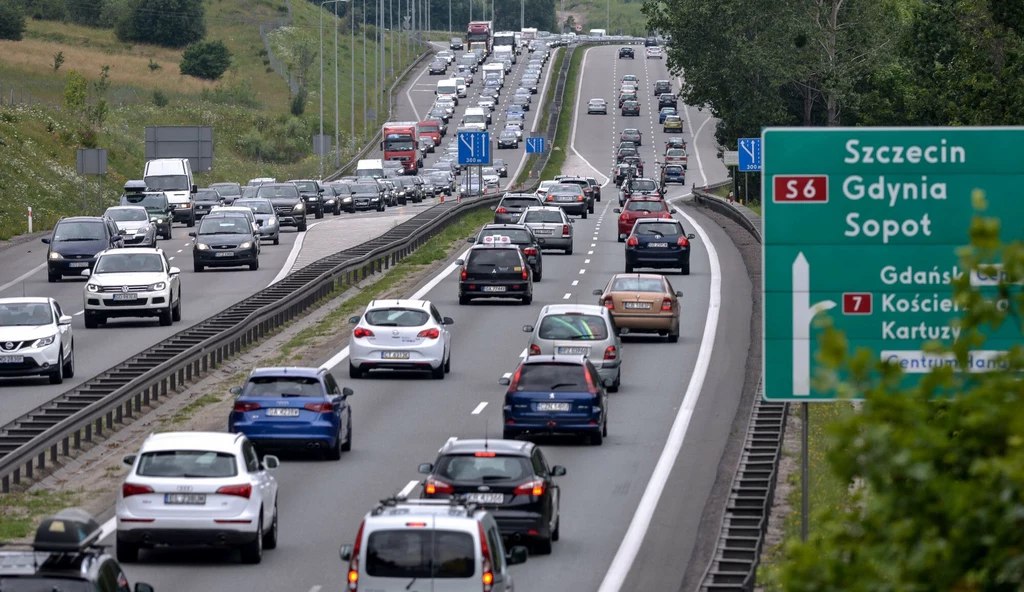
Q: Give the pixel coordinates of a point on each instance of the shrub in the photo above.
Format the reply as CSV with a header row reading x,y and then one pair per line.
x,y
75,91
171,23
85,12
238,95
160,98
298,106
12,21
44,10
87,137
153,66
207,60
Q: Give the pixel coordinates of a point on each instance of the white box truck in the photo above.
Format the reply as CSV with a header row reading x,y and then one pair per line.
x,y
370,167
174,177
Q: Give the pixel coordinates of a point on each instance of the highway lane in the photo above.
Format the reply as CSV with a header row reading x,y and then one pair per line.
x,y
401,420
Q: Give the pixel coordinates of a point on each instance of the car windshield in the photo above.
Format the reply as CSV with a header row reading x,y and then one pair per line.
x,y
573,326
229,189
250,192
493,259
225,225
79,231
552,378
151,201
127,214
543,217
129,263
638,284
207,195
518,236
417,553
258,207
645,206
25,314
476,469
44,584
197,464
658,229
167,183
306,186
278,191
397,317
282,386
676,152
643,185
508,134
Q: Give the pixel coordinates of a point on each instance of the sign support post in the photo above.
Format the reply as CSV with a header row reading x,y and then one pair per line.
x,y
805,465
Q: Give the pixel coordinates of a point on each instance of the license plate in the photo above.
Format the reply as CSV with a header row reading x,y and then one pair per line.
x,y
185,499
640,305
79,264
282,412
657,245
12,359
566,198
552,406
574,351
494,288
126,296
542,231
394,355
485,498
224,254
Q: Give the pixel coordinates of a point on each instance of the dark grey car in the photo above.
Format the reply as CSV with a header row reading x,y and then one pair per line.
x,y
266,219
511,207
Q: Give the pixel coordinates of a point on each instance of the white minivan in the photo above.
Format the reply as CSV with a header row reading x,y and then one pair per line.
x,y
426,545
477,118
174,177
448,88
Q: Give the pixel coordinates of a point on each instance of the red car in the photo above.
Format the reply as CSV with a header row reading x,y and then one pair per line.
x,y
635,209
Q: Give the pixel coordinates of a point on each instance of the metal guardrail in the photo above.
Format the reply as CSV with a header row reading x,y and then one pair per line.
x,y
58,428
702,197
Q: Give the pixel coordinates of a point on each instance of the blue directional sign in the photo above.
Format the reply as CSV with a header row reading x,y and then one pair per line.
x,y
750,155
535,145
474,148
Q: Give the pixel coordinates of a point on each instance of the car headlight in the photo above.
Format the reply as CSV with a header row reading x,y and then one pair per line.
x,y
158,220
92,288
202,246
299,208
144,229
347,199
245,245
271,221
45,341
55,256
157,287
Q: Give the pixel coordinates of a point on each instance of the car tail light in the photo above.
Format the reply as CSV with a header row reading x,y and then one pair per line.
x,y
591,385
514,384
130,489
633,241
609,302
501,211
530,251
487,577
243,490
623,216
526,274
319,407
463,274
429,333
362,332
579,198
666,304
565,230
535,488
610,352
353,563
551,198
534,350
665,215
245,406
682,242
435,486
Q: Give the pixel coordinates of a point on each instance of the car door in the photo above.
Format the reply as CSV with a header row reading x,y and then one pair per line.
x,y
66,336
173,279
540,467
262,480
343,410
445,334
502,581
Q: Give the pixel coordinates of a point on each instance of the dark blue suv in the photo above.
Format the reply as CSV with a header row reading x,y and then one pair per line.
x,y
293,409
76,241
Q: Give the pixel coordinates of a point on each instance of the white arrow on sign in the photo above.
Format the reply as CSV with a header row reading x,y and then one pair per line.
x,y
467,141
748,147
803,314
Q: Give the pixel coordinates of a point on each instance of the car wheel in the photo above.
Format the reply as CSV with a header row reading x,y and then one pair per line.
x,y
254,265
437,373
270,539
542,546
90,321
596,439
277,240
354,371
590,210
629,268
614,388
528,299
252,552
319,214
334,452
569,250
302,226
166,316
508,435
463,300
686,269
197,267
557,532
176,311
191,221
69,364
53,277
127,552
347,445
448,363
538,275
57,376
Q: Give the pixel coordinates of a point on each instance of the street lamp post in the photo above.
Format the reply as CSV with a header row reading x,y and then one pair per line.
x,y
322,4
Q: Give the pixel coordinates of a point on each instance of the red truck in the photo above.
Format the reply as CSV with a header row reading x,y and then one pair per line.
x,y
478,36
432,130
399,143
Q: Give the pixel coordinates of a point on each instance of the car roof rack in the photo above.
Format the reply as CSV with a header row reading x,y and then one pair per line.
x,y
454,501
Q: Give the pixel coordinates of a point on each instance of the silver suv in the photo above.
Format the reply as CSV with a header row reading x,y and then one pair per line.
x,y
579,329
551,225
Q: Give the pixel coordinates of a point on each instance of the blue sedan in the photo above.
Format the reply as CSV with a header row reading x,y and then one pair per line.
x,y
293,409
658,243
673,173
559,394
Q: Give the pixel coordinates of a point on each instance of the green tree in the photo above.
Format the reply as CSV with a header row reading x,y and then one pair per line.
x,y
943,477
171,23
85,12
76,90
12,21
207,60
58,60
298,106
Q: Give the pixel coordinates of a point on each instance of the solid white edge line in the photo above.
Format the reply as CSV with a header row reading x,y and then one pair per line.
x,y
292,255
108,528
408,489
479,408
576,119
637,531
437,279
408,96
22,277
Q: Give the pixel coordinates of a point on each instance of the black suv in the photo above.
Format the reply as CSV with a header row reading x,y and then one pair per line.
x,y
667,100
522,237
510,479
312,195
626,52
495,269
651,42
661,87
288,205
76,241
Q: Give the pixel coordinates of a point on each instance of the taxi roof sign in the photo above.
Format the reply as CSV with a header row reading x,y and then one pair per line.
x,y
496,239
70,531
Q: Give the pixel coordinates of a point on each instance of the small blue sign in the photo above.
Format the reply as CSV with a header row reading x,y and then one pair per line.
x,y
750,155
535,145
474,148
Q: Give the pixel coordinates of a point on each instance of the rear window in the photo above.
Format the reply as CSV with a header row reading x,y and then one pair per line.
x,y
643,185
467,467
520,202
544,217
552,378
500,259
409,554
674,170
516,235
580,327
282,386
645,206
397,317
658,229
638,284
199,464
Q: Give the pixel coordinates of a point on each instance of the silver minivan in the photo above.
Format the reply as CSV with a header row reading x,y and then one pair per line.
x,y
579,329
551,225
427,545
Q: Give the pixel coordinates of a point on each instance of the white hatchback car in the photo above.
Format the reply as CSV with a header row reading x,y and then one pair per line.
x,y
132,283
36,339
400,335
197,488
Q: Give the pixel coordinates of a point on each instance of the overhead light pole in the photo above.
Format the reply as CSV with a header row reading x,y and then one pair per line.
x,y
336,136
365,103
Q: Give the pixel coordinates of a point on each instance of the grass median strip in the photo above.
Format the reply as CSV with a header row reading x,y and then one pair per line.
x,y
561,142
545,111
20,512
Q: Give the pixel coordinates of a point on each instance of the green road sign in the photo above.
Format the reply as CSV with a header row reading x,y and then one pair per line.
x,y
863,225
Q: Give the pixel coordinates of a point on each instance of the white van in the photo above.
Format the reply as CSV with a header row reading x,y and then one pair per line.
x,y
425,545
370,167
476,117
174,177
448,88
460,87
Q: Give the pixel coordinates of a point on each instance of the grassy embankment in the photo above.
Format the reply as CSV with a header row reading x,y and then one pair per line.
x,y
626,16
555,65
561,143
254,133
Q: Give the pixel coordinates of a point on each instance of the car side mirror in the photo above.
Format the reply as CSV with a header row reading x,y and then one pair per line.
x,y
460,262
598,292
143,587
46,240
174,271
195,189
425,468
235,390
679,293
192,234
337,400
345,553
472,239
448,321
129,459
691,236
353,320
557,471
624,331
64,320
617,210
518,555
527,328
86,272
271,462
505,380
347,392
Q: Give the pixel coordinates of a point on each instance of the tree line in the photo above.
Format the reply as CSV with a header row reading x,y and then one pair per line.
x,y
539,14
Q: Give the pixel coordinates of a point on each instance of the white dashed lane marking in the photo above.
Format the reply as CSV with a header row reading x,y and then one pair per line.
x,y
575,282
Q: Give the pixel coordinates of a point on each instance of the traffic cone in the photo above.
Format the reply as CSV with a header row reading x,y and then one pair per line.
x,y
732,198
442,199
458,199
